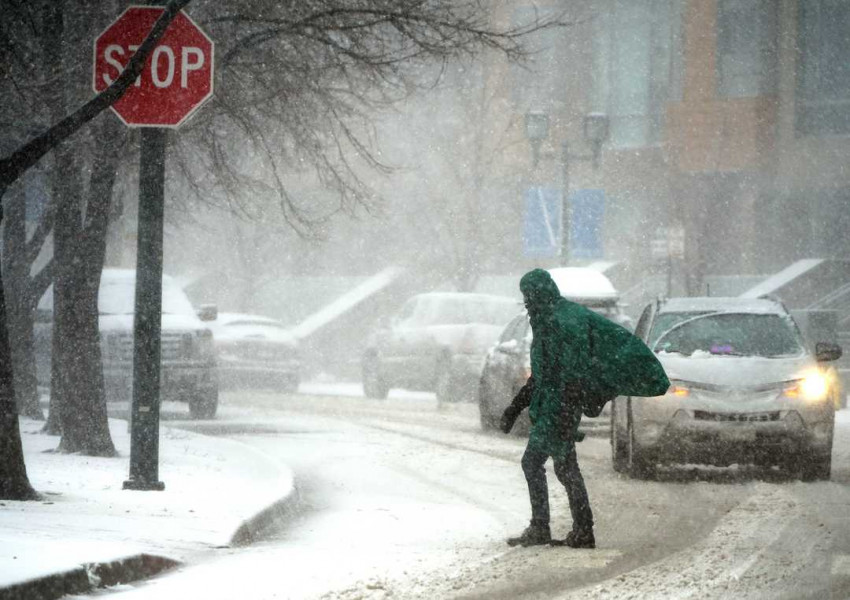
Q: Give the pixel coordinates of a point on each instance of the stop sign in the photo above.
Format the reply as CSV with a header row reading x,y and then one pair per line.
x,y
177,77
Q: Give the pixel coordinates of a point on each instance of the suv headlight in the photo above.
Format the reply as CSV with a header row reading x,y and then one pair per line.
x,y
813,387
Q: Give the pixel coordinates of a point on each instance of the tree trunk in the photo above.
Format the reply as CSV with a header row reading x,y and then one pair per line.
x,y
14,483
20,307
77,349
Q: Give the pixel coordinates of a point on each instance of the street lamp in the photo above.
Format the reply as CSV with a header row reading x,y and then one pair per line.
x,y
595,132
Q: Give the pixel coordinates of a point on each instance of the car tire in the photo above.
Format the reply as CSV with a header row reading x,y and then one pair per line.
x,y
444,382
640,466
374,386
619,443
815,468
203,404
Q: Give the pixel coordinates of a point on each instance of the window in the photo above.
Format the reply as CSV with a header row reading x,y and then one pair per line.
x,y
823,67
638,67
539,83
746,47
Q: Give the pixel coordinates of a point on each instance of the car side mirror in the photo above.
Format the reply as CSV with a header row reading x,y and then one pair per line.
x,y
208,312
827,351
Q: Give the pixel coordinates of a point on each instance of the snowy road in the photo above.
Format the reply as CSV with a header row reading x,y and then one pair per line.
x,y
402,499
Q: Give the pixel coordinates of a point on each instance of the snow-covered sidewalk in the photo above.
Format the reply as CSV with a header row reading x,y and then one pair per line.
x,y
87,531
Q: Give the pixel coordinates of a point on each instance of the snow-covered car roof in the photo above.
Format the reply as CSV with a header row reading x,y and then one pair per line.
x,y
723,304
583,283
464,307
116,295
245,319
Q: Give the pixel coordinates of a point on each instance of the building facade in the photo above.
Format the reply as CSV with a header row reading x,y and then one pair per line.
x,y
728,119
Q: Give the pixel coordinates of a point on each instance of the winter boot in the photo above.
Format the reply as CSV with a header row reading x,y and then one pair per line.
x,y
581,538
535,534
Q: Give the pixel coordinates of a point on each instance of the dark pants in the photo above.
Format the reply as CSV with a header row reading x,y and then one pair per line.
x,y
568,473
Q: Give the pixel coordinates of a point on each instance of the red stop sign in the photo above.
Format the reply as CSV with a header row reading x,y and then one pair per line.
x,y
177,77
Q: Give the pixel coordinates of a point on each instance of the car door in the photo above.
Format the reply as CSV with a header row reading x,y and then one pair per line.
x,y
621,406
393,344
507,363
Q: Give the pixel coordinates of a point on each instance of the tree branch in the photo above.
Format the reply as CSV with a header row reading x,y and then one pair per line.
x,y
14,165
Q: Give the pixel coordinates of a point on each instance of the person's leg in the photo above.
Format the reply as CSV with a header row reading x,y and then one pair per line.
x,y
533,466
569,474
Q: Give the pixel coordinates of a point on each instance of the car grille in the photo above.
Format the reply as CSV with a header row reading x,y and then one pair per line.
x,y
174,346
760,417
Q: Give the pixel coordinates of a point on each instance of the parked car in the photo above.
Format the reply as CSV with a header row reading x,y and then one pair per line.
x,y
436,342
745,389
188,354
507,365
255,352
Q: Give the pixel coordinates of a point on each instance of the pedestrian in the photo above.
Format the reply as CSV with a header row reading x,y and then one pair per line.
x,y
579,361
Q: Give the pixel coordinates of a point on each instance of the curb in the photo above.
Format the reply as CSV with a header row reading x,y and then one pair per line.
x,y
89,576
253,528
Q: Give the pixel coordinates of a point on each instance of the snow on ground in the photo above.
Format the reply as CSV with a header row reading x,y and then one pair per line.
x,y
86,516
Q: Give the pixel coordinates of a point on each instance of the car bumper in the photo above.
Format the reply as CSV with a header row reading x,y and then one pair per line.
x,y
176,380
720,438
258,374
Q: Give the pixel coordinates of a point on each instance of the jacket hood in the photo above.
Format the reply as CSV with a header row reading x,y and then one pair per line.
x,y
539,291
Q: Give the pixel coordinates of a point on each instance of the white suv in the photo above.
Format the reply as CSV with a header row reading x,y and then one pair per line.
x,y
746,388
188,353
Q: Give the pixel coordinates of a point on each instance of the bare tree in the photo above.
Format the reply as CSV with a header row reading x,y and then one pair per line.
x,y
297,84
14,483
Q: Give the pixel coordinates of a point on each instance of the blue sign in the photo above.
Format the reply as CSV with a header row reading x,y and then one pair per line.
x,y
587,212
541,235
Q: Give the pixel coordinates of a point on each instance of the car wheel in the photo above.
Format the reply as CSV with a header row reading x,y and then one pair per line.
x,y
815,465
203,404
639,464
619,443
374,386
815,468
444,385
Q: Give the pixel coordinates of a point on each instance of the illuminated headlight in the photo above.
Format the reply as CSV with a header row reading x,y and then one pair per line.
x,y
813,387
678,389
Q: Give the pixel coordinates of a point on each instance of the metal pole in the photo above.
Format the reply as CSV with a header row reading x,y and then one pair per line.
x,y
147,325
565,209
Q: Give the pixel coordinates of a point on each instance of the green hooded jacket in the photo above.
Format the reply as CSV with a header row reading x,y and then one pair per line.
x,y
574,348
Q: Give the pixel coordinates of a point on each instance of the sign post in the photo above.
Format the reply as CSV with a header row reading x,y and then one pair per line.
x,y
176,80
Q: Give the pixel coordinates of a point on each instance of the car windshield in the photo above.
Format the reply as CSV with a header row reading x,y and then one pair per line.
x,y
117,297
665,321
766,335
458,311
